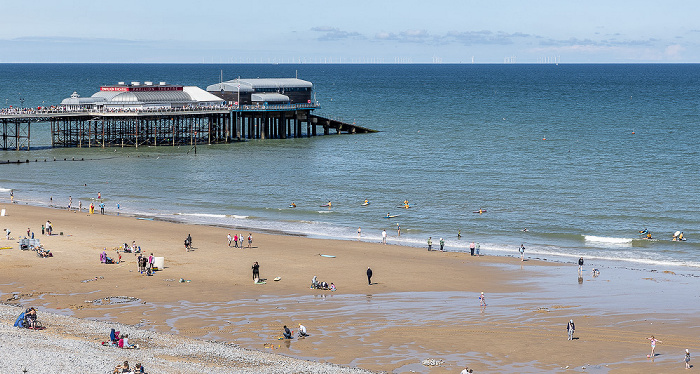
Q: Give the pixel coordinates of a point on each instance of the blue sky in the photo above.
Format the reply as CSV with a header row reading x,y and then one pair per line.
x,y
350,31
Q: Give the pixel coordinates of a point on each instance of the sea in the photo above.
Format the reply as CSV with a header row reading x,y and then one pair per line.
x,y
570,160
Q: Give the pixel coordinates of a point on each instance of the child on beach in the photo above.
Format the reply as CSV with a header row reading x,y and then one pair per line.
x,y
653,345
482,299
687,359
570,328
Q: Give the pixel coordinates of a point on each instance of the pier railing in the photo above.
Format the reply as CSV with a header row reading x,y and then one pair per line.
x,y
33,113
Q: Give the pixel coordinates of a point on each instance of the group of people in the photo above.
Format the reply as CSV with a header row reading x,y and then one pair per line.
x,y
316,284
145,264
188,243
237,240
125,368
287,334
47,228
27,319
116,339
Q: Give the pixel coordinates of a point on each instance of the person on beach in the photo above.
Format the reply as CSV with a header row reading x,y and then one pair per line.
x,y
92,208
687,359
369,275
256,271
124,368
482,299
287,334
383,236
332,287
150,261
359,232
12,197
250,240
7,233
442,245
478,249
102,208
70,202
472,248
240,240
430,243
398,229
580,266
570,328
522,252
302,331
80,205
653,346
235,240
229,238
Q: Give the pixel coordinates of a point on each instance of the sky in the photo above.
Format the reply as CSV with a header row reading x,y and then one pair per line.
x,y
358,31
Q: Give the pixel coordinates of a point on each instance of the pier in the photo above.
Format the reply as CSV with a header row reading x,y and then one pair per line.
x,y
170,127
148,114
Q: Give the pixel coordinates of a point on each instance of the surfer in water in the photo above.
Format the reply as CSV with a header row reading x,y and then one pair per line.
x,y
388,215
405,204
292,205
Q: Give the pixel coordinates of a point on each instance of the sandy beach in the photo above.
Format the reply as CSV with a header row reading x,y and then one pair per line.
x,y
421,305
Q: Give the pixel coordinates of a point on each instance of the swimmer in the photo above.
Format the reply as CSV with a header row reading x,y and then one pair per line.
x,y
459,234
525,229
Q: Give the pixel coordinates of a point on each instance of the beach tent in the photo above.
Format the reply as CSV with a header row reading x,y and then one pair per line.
x,y
18,322
159,263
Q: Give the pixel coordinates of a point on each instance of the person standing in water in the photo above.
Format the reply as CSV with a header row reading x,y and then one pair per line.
x,y
359,232
580,266
383,236
522,252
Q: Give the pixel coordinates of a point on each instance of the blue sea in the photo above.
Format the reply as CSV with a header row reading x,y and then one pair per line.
x,y
583,156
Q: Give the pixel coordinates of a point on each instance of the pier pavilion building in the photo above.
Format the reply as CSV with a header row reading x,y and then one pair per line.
x,y
264,90
137,96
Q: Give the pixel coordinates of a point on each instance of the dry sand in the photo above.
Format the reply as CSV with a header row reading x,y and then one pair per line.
x,y
421,304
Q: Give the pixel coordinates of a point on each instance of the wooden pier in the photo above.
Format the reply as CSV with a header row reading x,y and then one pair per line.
x,y
169,127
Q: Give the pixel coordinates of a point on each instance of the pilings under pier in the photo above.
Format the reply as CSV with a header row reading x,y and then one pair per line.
x,y
170,127
139,130
15,133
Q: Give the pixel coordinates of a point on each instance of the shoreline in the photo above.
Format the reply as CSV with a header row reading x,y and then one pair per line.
x,y
538,255
419,306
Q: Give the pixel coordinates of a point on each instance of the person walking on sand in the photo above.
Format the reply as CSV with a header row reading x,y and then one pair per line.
x,y
235,241
482,299
472,248
250,240
383,236
430,243
102,208
580,266
687,359
229,238
369,275
256,271
570,328
522,252
478,249
653,345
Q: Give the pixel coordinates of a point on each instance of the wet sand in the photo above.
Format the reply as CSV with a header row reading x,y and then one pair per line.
x,y
421,304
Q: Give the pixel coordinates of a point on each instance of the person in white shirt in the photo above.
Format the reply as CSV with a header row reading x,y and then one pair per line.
x,y
302,331
384,236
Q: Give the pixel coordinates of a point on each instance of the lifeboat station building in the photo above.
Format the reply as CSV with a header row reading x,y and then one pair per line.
x,y
264,91
137,96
